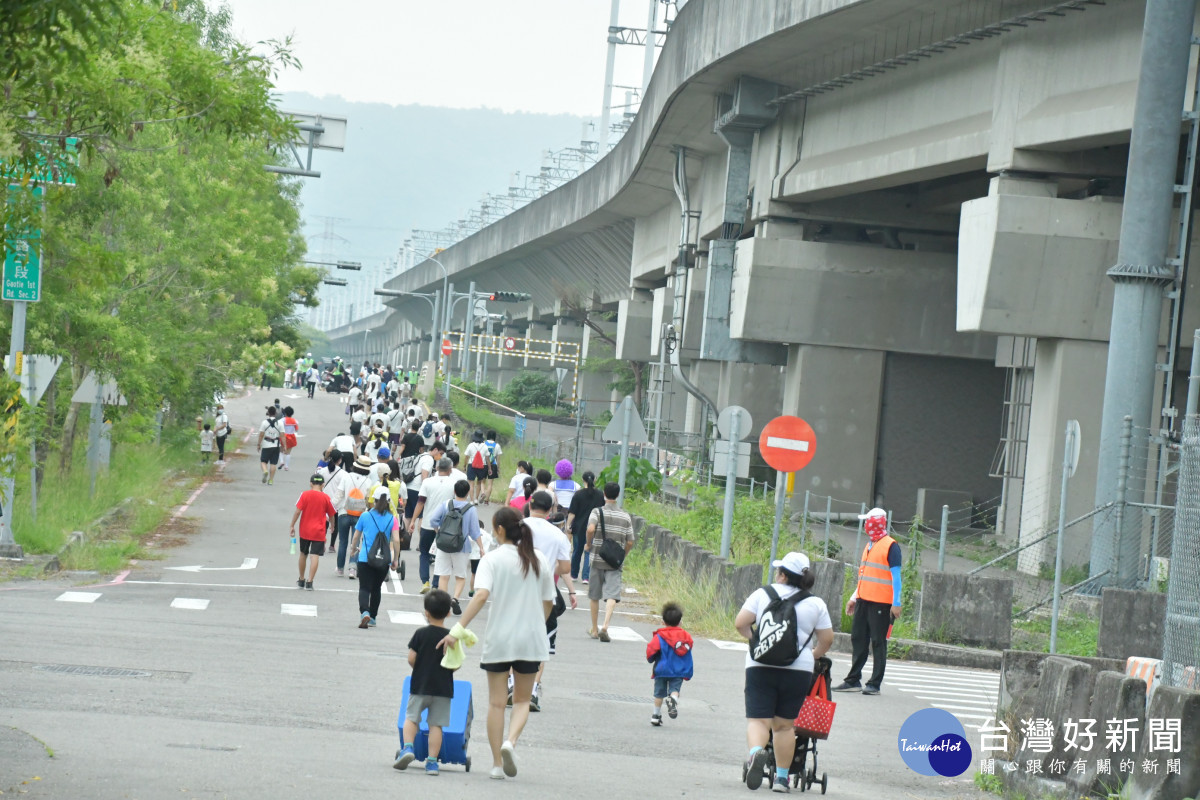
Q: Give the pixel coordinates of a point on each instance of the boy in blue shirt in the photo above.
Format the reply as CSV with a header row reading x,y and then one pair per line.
x,y
670,651
432,685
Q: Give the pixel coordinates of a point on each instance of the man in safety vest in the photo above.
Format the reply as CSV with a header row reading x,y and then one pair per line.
x,y
874,604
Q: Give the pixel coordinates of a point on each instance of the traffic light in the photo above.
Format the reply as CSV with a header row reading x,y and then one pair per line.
x,y
334,281
510,297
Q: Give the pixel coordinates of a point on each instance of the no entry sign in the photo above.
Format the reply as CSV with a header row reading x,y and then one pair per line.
x,y
787,444
447,348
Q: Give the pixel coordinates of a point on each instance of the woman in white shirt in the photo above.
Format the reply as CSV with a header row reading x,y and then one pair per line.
x,y
524,470
517,580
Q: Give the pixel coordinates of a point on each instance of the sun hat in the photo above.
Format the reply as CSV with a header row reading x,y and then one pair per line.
x,y
364,461
793,562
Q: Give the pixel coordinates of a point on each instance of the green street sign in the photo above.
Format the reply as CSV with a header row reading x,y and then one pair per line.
x,y
56,168
23,263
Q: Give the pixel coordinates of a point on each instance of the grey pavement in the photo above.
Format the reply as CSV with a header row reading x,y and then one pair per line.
x,y
140,698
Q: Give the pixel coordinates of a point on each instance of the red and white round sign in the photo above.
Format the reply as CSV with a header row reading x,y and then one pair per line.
x,y
787,444
447,348
510,343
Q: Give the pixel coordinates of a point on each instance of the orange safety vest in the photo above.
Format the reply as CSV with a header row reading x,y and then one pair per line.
x,y
874,574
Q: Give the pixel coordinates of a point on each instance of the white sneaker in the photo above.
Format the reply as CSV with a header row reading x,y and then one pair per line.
x,y
509,757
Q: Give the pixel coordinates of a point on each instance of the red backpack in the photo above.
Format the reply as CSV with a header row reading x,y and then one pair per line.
x,y
477,459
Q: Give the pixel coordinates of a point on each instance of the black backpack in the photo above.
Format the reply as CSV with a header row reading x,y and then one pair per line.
x,y
380,554
450,535
775,639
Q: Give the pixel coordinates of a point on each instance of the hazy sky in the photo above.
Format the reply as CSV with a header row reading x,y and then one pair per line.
x,y
542,56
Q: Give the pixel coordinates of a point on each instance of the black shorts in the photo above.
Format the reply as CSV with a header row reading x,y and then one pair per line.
x,y
476,473
775,692
474,565
493,471
269,455
310,548
519,667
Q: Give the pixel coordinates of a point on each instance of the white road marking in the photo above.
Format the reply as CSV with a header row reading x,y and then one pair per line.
x,y
406,618
742,646
964,693
79,597
193,603
622,634
247,563
799,445
295,610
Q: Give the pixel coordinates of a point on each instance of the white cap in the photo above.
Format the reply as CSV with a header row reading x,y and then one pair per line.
x,y
874,512
793,562
380,491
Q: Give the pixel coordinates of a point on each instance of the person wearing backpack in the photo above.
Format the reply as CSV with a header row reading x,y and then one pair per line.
x,y
477,466
455,522
350,500
435,491
494,451
788,629
269,434
378,548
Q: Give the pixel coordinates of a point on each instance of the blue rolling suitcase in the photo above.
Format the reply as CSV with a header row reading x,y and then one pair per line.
x,y
455,736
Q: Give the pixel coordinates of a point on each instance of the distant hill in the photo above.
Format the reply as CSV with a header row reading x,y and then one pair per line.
x,y
416,167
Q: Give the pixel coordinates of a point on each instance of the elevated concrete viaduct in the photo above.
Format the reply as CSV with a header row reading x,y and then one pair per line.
x,y
899,217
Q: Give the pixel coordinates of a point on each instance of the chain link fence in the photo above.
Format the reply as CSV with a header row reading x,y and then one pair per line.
x,y
1181,641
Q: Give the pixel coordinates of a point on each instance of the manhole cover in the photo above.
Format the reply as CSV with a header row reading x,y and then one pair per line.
x,y
98,672
614,698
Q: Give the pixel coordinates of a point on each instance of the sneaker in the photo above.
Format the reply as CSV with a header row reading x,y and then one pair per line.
x,y
308,585
455,607
431,767
352,572
471,593
425,587
264,477
508,756
535,702
365,621
869,689
371,622
497,773
404,757
584,581
672,707
755,768
271,482
656,720
847,686
341,573
780,785
300,583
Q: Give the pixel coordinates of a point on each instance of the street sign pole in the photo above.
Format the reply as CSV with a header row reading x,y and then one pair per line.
x,y
780,492
730,481
8,543
626,424
1070,460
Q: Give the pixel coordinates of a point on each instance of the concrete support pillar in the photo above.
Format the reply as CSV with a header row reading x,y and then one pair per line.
x,y
594,386
1068,376
566,331
755,387
837,390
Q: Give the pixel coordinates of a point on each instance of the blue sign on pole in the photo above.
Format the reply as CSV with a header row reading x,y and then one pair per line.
x,y
519,428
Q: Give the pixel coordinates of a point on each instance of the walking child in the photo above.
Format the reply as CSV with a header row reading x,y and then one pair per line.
x,y
207,439
670,651
314,512
432,685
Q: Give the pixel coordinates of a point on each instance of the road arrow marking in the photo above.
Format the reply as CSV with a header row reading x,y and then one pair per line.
x,y
247,563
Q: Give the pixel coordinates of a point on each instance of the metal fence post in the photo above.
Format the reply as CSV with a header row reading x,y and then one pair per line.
x,y
942,539
779,498
858,536
804,518
1062,519
828,511
1122,492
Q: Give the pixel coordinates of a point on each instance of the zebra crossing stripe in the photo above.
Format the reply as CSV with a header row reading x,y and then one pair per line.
x,y
296,610
78,597
191,603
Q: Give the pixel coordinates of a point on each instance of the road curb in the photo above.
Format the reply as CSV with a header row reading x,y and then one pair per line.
x,y
930,653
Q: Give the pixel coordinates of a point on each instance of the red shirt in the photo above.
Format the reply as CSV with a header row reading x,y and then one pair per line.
x,y
314,508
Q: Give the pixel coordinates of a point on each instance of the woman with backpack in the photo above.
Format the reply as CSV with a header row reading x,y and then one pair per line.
x,y
350,500
371,525
516,578
779,666
582,504
477,466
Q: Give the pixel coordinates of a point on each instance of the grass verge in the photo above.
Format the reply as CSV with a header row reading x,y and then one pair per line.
x,y
703,614
143,484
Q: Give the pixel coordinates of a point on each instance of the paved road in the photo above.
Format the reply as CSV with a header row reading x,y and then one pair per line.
x,y
230,682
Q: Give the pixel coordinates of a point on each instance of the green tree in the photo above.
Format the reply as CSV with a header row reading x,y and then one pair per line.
x,y
530,390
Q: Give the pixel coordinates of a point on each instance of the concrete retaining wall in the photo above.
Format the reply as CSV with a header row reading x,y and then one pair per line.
x,y
966,609
1120,639
1171,703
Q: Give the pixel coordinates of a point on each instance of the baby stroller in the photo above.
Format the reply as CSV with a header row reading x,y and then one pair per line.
x,y
812,723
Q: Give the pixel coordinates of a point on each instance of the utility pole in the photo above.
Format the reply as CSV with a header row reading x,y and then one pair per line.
x,y
1141,271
